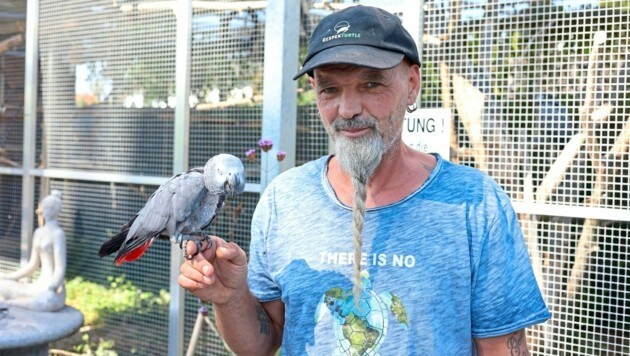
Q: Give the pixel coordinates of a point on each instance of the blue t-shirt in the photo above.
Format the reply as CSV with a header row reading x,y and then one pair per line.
x,y
446,264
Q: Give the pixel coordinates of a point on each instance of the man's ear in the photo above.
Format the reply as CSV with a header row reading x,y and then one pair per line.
x,y
312,81
415,81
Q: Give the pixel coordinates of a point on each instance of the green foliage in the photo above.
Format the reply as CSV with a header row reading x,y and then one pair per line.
x,y
431,83
106,307
306,97
516,40
621,4
97,302
100,348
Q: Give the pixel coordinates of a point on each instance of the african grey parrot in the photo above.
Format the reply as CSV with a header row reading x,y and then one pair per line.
x,y
179,209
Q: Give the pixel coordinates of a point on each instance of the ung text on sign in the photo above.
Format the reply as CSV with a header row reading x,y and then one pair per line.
x,y
428,130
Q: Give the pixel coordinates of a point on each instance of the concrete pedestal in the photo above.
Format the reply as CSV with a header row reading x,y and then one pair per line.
x,y
27,333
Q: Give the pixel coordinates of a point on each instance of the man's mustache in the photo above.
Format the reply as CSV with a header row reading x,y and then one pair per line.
x,y
354,123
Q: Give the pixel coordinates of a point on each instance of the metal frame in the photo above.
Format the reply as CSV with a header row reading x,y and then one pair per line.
x,y
584,212
181,141
414,21
180,151
30,125
279,120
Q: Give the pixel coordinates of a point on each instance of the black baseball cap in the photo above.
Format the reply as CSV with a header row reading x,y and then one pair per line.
x,y
359,35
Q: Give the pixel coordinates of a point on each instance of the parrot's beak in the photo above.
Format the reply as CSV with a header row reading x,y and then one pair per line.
x,y
233,186
229,189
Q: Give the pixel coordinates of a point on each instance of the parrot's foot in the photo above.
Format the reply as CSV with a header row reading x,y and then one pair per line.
x,y
198,240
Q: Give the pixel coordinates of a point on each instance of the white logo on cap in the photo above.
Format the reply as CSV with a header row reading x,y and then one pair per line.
x,y
342,27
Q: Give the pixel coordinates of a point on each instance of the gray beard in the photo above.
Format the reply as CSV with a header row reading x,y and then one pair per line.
x,y
358,156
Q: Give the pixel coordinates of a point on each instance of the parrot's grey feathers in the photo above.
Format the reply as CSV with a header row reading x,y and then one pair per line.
x,y
185,204
187,193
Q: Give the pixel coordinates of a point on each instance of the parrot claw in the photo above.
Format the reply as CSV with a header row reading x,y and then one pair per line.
x,y
198,240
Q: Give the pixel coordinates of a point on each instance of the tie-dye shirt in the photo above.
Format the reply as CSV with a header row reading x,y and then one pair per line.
x,y
441,267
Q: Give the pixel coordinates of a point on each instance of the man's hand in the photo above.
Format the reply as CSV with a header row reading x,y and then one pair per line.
x,y
217,274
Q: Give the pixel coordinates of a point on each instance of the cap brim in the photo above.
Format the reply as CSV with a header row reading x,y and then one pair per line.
x,y
359,55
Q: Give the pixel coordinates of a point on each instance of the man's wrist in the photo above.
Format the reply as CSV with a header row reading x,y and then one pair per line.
x,y
237,300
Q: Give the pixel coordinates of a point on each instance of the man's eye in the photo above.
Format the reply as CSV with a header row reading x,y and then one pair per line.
x,y
329,90
373,85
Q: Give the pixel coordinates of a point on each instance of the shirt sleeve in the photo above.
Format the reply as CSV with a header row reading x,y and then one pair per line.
x,y
505,294
259,278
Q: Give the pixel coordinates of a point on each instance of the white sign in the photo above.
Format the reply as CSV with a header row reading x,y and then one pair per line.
x,y
428,130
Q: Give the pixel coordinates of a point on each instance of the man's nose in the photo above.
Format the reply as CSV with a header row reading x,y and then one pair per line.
x,y
350,105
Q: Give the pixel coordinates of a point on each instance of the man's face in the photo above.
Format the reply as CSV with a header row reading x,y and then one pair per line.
x,y
347,92
363,109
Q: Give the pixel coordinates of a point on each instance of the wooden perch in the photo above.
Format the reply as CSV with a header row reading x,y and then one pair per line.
x,y
6,161
428,39
622,142
470,102
598,39
445,80
558,169
601,113
586,122
530,232
587,243
11,42
8,28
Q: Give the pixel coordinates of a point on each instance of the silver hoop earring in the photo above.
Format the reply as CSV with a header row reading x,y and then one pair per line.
x,y
411,108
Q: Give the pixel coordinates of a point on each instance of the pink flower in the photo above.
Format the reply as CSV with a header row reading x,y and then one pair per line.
x,y
265,144
280,155
251,154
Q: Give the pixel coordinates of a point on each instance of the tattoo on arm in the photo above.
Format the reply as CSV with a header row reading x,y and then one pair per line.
x,y
263,319
517,344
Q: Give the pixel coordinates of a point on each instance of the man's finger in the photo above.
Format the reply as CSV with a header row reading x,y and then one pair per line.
x,y
203,275
232,252
189,284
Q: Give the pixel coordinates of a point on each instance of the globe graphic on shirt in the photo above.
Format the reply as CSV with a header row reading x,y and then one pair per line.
x,y
360,328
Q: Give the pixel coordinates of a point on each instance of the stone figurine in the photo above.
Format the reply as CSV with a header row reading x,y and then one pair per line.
x,y
47,291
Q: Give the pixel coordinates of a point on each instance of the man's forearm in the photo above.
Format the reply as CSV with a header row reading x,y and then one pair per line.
x,y
514,344
246,326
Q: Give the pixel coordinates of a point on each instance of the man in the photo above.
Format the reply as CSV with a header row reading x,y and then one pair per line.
x,y
437,266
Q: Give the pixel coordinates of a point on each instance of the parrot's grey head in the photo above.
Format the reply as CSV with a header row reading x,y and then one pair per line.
x,y
224,174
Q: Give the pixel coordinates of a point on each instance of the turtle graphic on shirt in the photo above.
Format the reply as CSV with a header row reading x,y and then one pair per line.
x,y
361,329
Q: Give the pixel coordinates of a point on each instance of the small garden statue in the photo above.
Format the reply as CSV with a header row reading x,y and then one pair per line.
x,y
47,292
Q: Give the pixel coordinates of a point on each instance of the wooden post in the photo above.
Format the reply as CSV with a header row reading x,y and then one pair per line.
x,y
470,102
587,243
11,42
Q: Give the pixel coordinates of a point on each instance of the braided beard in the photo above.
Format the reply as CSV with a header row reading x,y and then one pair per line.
x,y
359,157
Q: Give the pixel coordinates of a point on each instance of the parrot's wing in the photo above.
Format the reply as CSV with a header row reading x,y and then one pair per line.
x,y
187,192
170,203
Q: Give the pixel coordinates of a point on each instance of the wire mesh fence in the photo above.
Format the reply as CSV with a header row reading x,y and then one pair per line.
x,y
539,98
11,133
552,130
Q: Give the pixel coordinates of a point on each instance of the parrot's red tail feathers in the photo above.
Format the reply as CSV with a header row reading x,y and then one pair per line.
x,y
133,254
